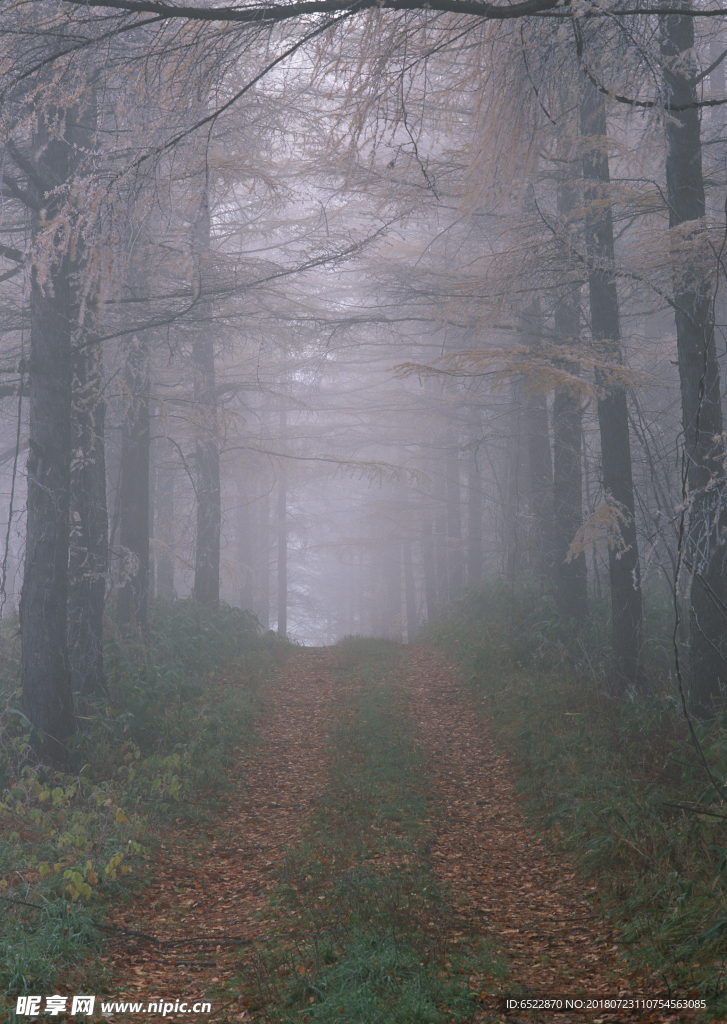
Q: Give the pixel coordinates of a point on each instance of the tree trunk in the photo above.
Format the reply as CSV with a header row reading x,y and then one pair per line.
x,y
409,591
699,379
282,536
430,579
454,523
570,576
538,466
244,545
133,596
541,485
390,562
46,679
475,559
164,521
440,536
624,569
264,562
88,556
571,579
209,508
515,546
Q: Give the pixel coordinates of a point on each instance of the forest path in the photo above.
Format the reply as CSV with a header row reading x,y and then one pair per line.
x,y
208,885
518,892
210,902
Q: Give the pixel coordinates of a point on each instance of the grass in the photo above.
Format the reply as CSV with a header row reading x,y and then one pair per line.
x,y
179,706
364,931
607,776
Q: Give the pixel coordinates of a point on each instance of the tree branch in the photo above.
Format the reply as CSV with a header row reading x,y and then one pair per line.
x,y
274,12
12,254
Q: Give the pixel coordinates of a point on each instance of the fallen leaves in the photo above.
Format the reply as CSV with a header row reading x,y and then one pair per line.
x,y
206,902
515,888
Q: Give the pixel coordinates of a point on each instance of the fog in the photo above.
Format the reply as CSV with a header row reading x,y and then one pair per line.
x,y
335,318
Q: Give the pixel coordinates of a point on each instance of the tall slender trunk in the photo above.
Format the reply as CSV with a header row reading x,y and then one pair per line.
x,y
133,595
571,580
409,591
540,466
89,543
390,562
430,579
164,521
283,535
475,560
440,536
88,556
244,545
207,449
263,605
46,679
515,543
363,605
151,576
705,483
454,522
537,464
570,576
624,569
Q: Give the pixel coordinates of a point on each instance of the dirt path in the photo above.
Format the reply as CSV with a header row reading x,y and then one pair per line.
x,y
517,891
207,890
209,893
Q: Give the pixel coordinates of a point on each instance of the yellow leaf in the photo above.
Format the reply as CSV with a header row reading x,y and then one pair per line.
x,y
121,818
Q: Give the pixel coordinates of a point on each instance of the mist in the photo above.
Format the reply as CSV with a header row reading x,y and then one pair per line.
x,y
399,321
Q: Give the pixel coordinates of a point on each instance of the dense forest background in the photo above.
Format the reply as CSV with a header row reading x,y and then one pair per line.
x,y
325,321
334,315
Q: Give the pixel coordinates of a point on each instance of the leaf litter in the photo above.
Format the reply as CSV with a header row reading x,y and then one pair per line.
x,y
209,900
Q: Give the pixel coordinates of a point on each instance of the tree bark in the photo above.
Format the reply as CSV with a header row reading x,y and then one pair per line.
x,y
244,545
430,579
440,535
391,609
570,576
209,509
133,595
263,605
699,379
571,580
515,546
282,536
89,552
537,463
475,560
46,679
164,521
624,569
455,564
409,591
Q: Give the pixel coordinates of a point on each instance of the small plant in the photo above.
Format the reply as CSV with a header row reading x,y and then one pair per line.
x,y
177,709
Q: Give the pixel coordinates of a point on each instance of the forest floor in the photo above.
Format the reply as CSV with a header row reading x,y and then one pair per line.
x,y
280,908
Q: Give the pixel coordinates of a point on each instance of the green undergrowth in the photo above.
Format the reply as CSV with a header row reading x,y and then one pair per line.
x,y
154,749
364,934
607,776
